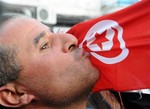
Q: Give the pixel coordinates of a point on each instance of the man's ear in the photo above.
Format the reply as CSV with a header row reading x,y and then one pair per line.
x,y
12,95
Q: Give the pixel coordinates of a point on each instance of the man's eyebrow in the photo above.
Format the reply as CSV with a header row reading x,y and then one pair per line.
x,y
38,37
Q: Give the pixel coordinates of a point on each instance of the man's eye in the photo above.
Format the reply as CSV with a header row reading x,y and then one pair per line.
x,y
44,46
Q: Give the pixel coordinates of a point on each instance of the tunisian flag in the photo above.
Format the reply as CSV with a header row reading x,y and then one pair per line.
x,y
119,44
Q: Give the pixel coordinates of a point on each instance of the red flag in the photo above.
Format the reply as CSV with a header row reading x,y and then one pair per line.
x,y
119,44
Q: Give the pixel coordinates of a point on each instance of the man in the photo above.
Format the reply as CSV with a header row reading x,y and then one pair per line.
x,y
41,69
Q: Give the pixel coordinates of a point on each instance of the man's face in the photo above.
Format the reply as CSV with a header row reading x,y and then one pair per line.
x,y
53,69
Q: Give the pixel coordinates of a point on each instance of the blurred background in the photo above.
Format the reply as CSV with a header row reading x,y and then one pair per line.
x,y
63,14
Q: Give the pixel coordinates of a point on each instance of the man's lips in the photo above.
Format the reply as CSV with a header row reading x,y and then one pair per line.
x,y
85,54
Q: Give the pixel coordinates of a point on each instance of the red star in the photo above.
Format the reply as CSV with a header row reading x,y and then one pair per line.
x,y
100,38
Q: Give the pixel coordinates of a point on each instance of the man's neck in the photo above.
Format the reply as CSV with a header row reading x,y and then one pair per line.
x,y
79,105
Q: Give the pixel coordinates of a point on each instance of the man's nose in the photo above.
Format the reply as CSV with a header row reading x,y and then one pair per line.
x,y
69,42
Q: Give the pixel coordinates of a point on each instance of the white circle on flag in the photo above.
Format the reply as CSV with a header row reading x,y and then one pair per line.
x,y
100,27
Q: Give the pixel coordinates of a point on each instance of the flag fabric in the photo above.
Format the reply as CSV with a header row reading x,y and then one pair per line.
x,y
119,44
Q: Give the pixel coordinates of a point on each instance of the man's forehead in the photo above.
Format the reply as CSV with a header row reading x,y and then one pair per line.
x,y
21,27
21,24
